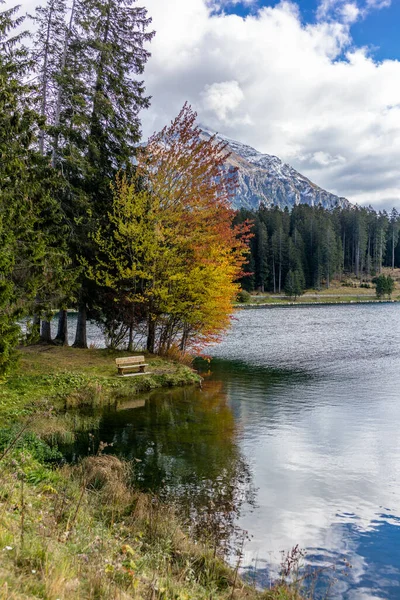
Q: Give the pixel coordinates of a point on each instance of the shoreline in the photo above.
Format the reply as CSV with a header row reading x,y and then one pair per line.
x,y
85,530
308,304
66,377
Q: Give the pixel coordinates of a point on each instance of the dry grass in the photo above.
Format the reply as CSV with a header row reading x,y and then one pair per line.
x,y
83,533
109,475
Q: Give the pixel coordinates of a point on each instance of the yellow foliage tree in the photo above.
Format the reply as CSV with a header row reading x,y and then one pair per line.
x,y
169,244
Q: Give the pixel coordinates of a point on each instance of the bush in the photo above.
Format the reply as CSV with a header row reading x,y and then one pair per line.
x,y
384,285
244,297
31,443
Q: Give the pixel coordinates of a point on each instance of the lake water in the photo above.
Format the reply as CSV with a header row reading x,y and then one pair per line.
x,y
295,437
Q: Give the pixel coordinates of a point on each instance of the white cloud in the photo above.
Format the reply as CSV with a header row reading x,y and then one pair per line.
x,y
378,4
349,11
223,3
302,92
223,100
324,159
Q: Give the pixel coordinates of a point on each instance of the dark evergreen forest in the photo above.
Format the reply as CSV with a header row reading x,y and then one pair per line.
x,y
310,246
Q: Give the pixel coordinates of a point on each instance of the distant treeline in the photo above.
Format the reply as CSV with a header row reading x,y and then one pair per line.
x,y
310,246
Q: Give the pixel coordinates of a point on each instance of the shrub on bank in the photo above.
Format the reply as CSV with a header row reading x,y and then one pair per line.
x,y
244,297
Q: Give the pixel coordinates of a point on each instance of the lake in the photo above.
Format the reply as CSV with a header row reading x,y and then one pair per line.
x,y
295,438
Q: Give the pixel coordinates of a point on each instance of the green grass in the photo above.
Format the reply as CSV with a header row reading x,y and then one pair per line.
x,y
304,300
51,376
348,290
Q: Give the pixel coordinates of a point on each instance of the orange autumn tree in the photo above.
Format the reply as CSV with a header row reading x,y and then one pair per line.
x,y
169,245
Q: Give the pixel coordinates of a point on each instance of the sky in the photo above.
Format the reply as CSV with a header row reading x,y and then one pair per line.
x,y
315,82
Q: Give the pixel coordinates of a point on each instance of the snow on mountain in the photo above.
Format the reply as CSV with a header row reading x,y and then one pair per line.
x,y
264,178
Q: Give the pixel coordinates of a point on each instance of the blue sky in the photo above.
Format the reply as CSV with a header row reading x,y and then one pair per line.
x,y
378,29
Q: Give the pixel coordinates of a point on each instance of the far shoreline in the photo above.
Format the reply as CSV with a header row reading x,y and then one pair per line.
x,y
291,304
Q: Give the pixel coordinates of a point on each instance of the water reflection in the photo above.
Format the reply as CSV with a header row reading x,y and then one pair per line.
x,y
324,446
302,405
368,567
184,446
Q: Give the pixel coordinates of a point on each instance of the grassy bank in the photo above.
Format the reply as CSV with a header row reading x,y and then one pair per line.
x,y
348,291
82,531
312,301
55,377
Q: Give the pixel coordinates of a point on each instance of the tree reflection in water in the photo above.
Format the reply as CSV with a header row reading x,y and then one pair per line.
x,y
184,446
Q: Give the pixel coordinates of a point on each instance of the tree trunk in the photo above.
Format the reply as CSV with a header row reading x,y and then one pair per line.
x,y
80,336
280,278
62,331
45,333
43,107
393,250
358,260
59,94
151,335
185,337
273,274
344,249
35,328
130,342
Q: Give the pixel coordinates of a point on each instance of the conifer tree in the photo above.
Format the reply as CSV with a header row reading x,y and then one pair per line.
x,y
261,263
294,283
33,257
47,54
394,234
96,95
115,34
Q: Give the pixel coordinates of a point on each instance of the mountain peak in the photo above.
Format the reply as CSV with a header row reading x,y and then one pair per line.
x,y
264,178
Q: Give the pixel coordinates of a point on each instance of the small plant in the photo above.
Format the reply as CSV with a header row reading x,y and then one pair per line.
x,y
175,354
243,297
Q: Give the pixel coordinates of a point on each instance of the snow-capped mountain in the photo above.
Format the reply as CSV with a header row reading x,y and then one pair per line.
x,y
265,178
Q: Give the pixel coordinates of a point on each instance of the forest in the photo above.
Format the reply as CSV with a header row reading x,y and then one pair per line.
x,y
138,237
310,246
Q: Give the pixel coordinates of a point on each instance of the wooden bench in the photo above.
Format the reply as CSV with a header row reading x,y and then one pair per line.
x,y
129,363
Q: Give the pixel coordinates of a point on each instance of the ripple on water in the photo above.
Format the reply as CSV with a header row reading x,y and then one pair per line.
x,y
302,405
322,439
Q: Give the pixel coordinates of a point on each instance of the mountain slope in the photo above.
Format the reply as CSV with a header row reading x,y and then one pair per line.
x,y
265,178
